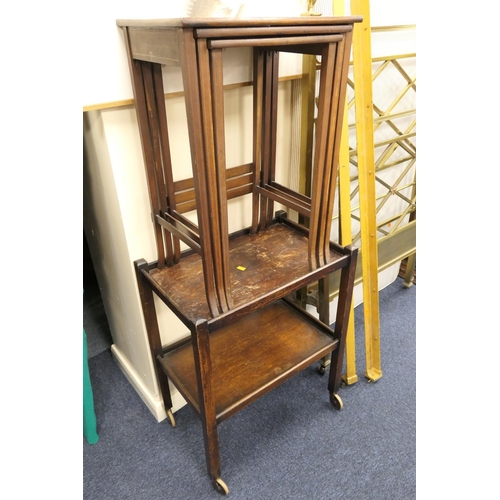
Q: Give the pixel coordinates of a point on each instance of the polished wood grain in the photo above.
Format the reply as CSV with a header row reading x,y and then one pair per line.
x,y
251,357
272,260
232,291
136,74
258,120
275,31
196,133
155,45
151,320
252,23
274,41
210,74
239,181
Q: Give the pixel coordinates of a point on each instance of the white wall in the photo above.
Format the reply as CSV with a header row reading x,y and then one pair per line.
x,y
115,211
104,63
104,67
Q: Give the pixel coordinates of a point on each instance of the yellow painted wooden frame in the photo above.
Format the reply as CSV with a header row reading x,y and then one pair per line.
x,y
383,242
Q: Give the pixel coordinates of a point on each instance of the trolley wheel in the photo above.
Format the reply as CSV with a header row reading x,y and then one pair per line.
x,y
171,418
221,486
336,401
321,369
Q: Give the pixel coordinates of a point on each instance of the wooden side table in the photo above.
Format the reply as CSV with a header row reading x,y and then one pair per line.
x,y
233,290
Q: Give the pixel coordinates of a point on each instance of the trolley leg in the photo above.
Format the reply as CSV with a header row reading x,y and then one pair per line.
x,y
201,350
153,331
341,323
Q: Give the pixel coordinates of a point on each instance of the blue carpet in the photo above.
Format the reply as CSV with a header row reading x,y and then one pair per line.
x,y
290,444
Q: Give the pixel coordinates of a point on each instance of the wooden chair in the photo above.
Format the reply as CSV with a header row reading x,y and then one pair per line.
x,y
233,290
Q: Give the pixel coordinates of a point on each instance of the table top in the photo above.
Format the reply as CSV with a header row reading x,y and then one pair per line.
x,y
225,22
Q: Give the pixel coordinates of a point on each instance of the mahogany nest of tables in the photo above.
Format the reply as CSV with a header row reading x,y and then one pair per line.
x,y
238,293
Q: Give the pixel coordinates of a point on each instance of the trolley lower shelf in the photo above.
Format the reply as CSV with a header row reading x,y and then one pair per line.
x,y
251,356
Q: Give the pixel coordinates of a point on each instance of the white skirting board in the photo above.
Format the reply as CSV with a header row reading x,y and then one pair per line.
x,y
154,404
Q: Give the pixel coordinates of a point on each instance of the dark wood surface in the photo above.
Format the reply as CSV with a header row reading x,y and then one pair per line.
x,y
211,181
274,31
271,258
246,338
226,22
251,357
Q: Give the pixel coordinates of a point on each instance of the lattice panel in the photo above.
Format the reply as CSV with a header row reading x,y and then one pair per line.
x,y
394,123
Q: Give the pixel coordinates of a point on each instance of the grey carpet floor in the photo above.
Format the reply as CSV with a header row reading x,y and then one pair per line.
x,y
290,444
